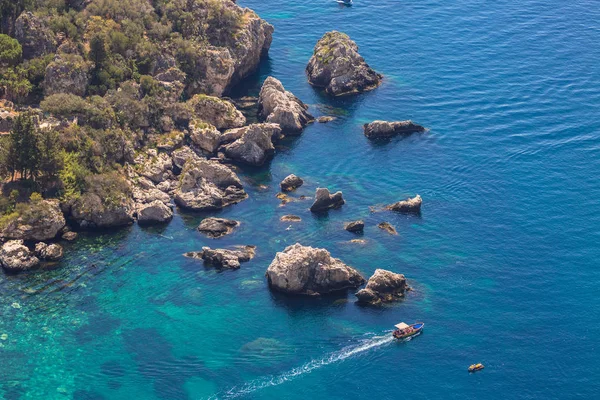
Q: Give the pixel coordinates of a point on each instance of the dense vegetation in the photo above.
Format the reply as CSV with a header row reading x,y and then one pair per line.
x,y
82,78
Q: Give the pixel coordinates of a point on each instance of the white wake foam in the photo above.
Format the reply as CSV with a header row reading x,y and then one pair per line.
x,y
307,368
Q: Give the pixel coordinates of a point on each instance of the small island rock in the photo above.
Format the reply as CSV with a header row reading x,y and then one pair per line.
x,y
15,256
225,258
52,252
378,130
337,67
217,227
410,205
307,270
355,226
383,286
276,105
291,182
324,200
290,218
389,228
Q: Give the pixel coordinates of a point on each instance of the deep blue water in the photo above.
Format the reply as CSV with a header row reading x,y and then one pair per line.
x,y
504,258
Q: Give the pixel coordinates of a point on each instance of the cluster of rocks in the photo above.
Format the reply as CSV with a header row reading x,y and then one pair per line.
x,y
224,258
15,256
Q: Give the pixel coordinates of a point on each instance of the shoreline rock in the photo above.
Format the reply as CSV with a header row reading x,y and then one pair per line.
x,y
155,212
337,67
52,252
39,221
324,200
15,256
217,227
410,205
309,271
383,287
255,146
382,130
276,105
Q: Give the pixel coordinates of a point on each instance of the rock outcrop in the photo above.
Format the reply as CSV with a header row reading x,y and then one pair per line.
x,y
410,205
389,228
40,221
276,105
382,130
307,270
290,183
204,135
384,286
220,113
34,35
155,166
355,226
15,256
182,155
68,73
48,252
225,258
337,67
156,212
207,185
255,146
217,227
92,211
324,200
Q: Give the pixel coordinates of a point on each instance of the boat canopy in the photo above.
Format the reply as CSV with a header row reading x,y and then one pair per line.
x,y
401,326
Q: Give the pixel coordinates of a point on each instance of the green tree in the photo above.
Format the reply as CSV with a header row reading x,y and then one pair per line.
x,y
98,51
10,51
50,158
23,148
16,86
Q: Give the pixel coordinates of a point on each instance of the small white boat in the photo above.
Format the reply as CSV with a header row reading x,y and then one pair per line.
x,y
344,2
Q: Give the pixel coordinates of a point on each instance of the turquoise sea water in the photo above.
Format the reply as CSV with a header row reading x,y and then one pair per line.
x,y
504,258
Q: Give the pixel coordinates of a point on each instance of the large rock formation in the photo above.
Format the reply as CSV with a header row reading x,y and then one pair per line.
x,y
156,212
255,146
15,256
381,130
306,270
410,205
68,73
290,183
217,227
35,36
324,200
48,252
220,113
92,211
278,106
208,185
225,258
337,67
383,286
38,221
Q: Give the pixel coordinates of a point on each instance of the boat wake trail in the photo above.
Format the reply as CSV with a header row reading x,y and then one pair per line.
x,y
275,380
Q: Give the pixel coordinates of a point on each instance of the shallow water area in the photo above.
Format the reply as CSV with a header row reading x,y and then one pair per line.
x,y
502,257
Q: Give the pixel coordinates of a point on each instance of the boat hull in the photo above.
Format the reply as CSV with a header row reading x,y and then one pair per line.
x,y
417,329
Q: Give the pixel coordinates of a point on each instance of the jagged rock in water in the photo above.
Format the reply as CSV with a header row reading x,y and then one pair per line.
x,y
68,73
205,136
225,258
208,185
35,37
384,286
410,205
291,182
255,146
307,270
276,105
324,200
42,220
15,256
337,67
355,226
156,212
389,228
52,252
381,130
217,227
290,218
220,113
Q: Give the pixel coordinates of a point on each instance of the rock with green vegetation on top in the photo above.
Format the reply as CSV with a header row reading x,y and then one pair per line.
x,y
35,221
35,36
204,135
220,113
337,67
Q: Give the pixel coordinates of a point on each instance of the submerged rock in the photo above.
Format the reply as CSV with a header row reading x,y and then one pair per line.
x,y
225,258
220,113
385,130
389,228
410,205
337,67
324,200
307,270
15,256
291,182
290,218
156,212
278,106
52,252
255,146
41,220
383,286
355,226
325,119
208,185
217,227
